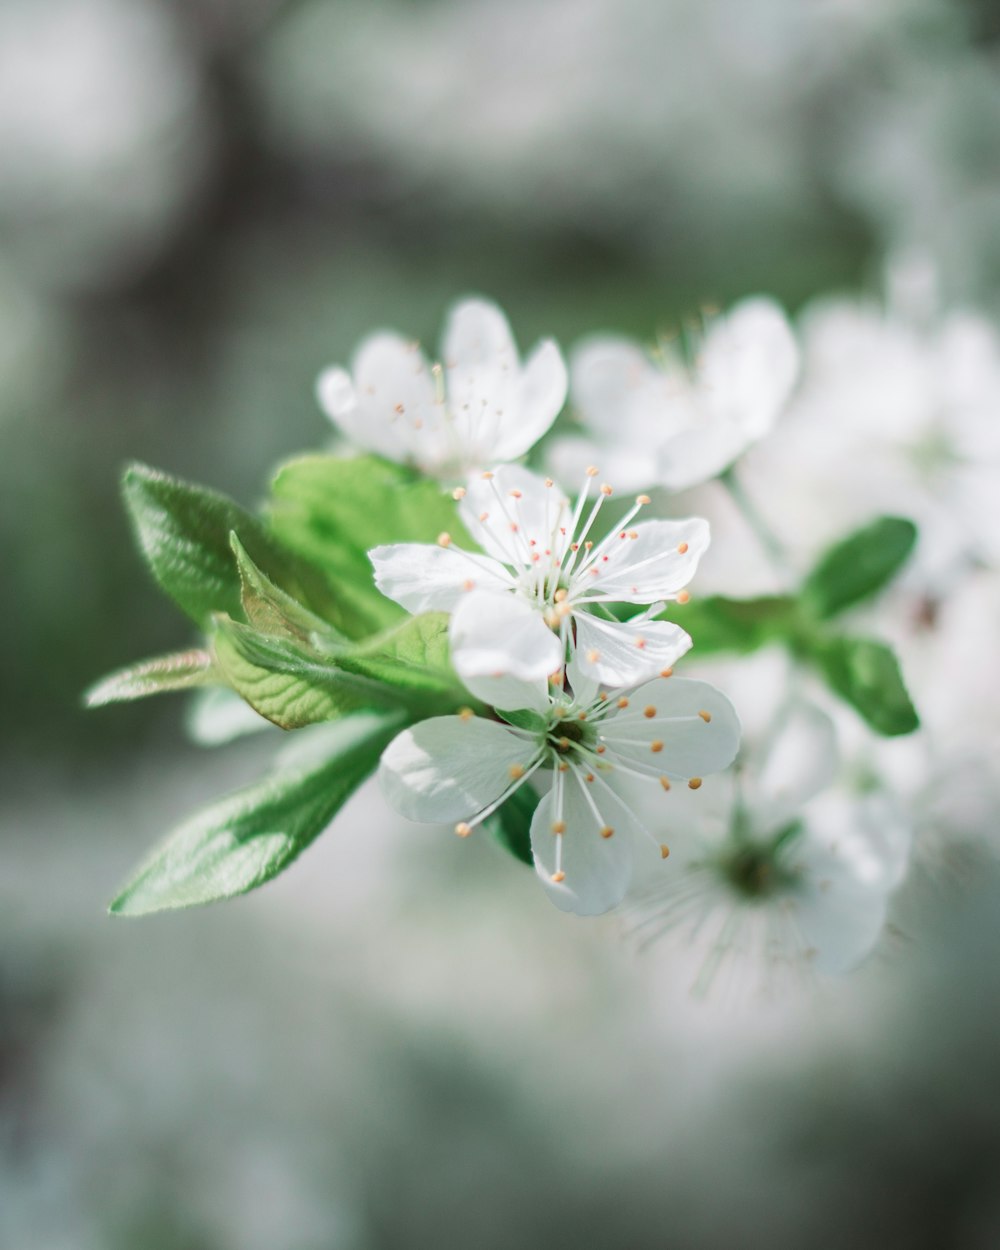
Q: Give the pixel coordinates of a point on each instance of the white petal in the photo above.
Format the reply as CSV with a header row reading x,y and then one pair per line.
x,y
540,395
598,870
503,650
448,768
609,652
691,745
800,762
656,564
396,405
628,467
514,516
607,375
338,398
481,375
422,577
748,365
840,920
695,455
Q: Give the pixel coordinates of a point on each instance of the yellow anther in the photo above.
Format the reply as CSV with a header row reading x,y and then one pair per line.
x,y
515,494
549,482
581,716
561,594
444,539
589,777
641,643
682,548
656,746
516,772
643,499
559,826
601,749
592,470
666,672
683,597
469,584
400,409
649,712
466,713
487,477
593,656
564,608
633,533
564,768
607,832
665,782
694,783
664,850
623,702
705,716
606,489
558,876
484,516
458,493
462,829
564,744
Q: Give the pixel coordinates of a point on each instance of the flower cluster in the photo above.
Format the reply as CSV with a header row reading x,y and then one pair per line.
x,y
531,629
461,600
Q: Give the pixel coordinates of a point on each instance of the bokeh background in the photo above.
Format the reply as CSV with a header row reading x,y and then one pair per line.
x,y
401,1043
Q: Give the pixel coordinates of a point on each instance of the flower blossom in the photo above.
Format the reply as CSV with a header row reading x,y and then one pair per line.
x,y
787,868
543,582
585,742
664,420
481,405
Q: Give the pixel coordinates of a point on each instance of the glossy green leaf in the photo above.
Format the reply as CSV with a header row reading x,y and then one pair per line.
x,y
866,673
737,625
334,510
413,656
184,533
250,837
860,565
181,671
287,684
510,825
269,610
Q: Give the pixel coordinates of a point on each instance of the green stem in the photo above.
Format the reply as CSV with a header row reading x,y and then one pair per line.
x,y
755,522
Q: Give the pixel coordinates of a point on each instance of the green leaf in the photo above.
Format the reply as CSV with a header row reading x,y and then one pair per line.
x,y
414,656
866,674
510,825
286,684
269,610
181,671
334,510
250,837
184,533
293,684
858,566
738,625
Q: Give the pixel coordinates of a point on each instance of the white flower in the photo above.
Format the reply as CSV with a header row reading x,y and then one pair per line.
x,y
517,607
663,421
898,412
479,407
790,870
463,768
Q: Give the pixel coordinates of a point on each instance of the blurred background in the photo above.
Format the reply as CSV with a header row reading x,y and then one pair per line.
x,y
401,1043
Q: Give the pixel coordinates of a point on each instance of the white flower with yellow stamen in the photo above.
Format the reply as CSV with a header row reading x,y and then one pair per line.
x,y
584,744
665,420
543,582
479,406
785,868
